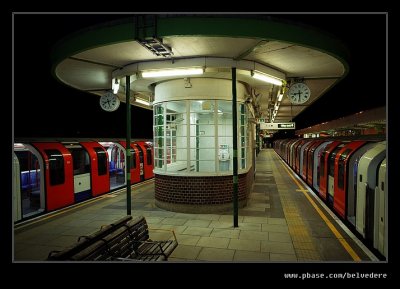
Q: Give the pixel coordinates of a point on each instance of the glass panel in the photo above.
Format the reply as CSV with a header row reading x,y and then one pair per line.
x,y
133,159
203,155
202,106
322,165
341,168
176,107
206,166
101,161
225,107
149,156
56,167
80,160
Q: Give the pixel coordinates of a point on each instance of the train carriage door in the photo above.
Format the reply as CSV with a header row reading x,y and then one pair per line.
x,y
147,159
317,164
331,174
16,188
30,181
116,164
99,168
351,186
136,176
135,162
381,219
368,167
141,161
58,175
81,171
339,202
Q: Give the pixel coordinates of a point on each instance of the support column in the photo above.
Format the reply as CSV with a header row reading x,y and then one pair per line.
x,y
128,144
235,150
259,144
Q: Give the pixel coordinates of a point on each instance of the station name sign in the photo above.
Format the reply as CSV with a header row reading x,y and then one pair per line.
x,y
278,125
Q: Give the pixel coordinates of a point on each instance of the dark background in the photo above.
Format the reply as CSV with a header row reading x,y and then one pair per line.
x,y
44,107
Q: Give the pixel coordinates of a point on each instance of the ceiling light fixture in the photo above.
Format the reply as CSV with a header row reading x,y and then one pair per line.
x,y
266,78
138,100
172,72
115,85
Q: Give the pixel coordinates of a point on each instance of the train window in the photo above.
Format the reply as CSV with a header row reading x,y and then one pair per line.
x,y
310,163
149,158
27,160
101,161
331,163
322,165
80,159
341,168
304,160
56,167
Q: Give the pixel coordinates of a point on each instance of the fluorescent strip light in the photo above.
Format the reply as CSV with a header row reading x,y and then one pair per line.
x,y
280,97
138,100
115,86
266,78
172,72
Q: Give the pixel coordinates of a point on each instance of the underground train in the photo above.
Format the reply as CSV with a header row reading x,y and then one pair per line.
x,y
349,175
49,175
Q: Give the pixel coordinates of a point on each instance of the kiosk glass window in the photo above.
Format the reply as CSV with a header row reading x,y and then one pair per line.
x,y
158,133
188,135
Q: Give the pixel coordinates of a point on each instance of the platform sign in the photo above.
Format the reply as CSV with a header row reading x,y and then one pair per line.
x,y
278,125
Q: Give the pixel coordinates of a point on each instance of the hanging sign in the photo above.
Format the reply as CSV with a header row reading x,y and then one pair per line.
x,y
278,125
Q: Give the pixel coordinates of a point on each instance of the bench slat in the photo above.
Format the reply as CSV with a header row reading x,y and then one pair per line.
x,y
125,239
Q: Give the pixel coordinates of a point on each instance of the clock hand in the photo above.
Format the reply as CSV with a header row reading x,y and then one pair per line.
x,y
299,93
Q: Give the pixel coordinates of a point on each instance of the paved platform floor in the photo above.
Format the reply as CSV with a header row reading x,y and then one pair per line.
x,y
278,224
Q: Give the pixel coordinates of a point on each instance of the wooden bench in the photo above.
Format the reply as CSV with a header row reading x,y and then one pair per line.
x,y
125,240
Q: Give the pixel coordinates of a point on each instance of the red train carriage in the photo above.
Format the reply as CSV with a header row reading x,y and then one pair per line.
x,y
53,175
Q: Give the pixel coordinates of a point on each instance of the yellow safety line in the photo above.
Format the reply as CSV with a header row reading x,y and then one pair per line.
x,y
340,238
76,206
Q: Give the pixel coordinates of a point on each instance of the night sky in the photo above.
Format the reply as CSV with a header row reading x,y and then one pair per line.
x,y
44,107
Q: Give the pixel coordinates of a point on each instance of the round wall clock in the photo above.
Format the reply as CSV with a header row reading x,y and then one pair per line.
x,y
109,101
299,93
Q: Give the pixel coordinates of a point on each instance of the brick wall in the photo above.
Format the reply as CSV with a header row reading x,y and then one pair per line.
x,y
187,190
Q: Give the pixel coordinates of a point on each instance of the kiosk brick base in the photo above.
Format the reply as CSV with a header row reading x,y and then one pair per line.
x,y
209,194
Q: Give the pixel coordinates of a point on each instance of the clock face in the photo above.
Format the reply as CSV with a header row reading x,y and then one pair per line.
x,y
299,93
109,102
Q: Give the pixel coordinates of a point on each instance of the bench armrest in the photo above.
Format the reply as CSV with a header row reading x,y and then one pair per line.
x,y
148,248
165,230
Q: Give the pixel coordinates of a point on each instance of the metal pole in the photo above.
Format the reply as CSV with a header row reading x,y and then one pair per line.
x,y
235,149
258,148
128,145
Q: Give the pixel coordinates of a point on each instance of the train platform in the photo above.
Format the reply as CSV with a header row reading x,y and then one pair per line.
x,y
283,221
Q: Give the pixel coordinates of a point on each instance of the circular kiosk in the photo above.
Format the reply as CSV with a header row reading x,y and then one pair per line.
x,y
181,67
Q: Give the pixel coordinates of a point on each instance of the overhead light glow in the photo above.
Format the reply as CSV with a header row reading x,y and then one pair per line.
x,y
18,145
138,100
266,78
172,72
115,85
